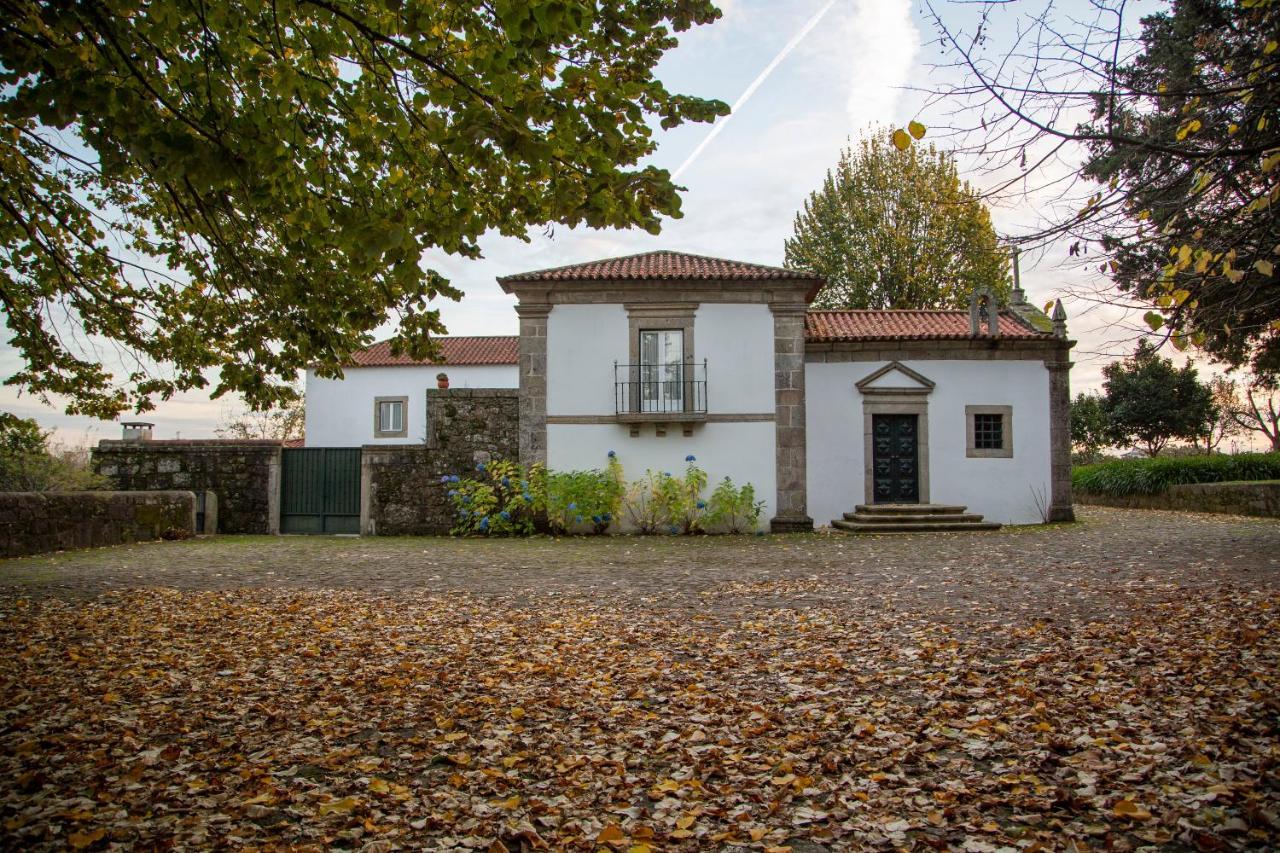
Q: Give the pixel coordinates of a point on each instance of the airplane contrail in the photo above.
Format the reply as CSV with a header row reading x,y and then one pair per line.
x,y
751,90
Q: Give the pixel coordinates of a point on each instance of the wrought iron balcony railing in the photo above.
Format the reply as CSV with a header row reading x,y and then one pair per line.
x,y
648,391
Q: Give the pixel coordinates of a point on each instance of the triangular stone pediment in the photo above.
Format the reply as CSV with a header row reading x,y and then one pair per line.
x,y
895,378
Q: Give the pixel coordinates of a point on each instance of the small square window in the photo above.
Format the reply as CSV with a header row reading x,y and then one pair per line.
x,y
989,431
389,417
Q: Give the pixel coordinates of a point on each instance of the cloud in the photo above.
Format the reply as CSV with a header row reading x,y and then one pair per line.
x,y
882,43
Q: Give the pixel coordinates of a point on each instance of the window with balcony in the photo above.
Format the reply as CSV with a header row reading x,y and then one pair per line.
x,y
663,384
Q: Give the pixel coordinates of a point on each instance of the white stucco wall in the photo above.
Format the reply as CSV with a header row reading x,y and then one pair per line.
x,y
736,340
743,451
340,411
1000,489
584,341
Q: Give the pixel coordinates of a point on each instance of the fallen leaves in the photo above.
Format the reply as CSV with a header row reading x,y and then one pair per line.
x,y
468,722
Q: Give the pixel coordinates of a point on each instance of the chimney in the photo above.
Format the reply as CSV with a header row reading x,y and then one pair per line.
x,y
137,430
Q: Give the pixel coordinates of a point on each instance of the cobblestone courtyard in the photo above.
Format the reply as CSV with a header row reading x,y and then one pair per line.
x,y
1112,684
1072,572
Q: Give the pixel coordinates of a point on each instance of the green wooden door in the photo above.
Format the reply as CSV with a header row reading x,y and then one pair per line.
x,y
895,459
320,490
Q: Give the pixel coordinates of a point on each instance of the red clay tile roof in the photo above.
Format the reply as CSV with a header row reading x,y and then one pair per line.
x,y
460,350
660,266
822,326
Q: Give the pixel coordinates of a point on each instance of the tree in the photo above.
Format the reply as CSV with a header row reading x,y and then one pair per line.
x,y
1259,411
246,189
895,228
286,423
1150,402
29,464
1090,429
1220,423
1178,152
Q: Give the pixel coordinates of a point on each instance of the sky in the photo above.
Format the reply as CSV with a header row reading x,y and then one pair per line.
x,y
806,77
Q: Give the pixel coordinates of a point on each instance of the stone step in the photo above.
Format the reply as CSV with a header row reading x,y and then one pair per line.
x,y
933,527
909,509
912,518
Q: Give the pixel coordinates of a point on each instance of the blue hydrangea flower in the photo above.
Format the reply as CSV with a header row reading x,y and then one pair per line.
x,y
613,454
596,519
465,513
702,504
445,478
484,524
506,481
452,492
480,466
608,516
528,498
506,516
466,499
691,458
455,479
572,507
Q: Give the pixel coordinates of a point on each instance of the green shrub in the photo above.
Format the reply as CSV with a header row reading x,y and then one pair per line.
x,y
29,463
576,499
734,510
642,504
506,499
1123,477
665,503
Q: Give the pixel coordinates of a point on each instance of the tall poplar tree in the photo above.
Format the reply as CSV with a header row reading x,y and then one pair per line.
x,y
897,228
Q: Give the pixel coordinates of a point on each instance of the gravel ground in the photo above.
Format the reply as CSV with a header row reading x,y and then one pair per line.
x,y
1111,562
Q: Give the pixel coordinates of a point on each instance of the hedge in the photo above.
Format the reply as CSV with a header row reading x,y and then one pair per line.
x,y
1123,477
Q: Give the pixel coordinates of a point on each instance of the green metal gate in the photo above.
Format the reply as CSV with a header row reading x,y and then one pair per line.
x,y
320,490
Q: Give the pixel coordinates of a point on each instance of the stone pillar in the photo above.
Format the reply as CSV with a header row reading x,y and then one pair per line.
x,y
533,382
1060,508
789,419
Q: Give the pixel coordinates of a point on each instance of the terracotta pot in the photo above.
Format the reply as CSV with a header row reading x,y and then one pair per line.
x,y
442,381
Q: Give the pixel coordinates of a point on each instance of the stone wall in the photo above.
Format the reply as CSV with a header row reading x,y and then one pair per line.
x,y
41,522
401,492
245,475
1257,498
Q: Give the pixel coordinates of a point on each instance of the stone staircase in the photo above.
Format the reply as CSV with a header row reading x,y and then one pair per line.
x,y
911,518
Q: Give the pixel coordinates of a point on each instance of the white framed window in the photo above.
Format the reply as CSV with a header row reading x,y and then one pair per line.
x,y
390,417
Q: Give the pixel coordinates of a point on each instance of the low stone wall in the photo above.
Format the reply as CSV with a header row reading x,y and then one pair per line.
x,y
1243,498
401,492
245,475
41,522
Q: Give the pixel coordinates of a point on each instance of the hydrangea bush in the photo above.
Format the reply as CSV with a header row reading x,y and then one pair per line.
x,y
503,499
581,500
734,510
508,499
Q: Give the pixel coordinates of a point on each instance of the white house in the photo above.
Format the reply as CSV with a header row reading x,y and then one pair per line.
x,y
663,355
382,398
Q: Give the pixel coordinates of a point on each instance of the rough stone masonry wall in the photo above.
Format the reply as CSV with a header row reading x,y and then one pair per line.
x,y
41,522
401,492
243,474
1244,498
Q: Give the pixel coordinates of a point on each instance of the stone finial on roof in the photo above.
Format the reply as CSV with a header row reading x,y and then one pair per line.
x,y
1018,296
1059,319
984,310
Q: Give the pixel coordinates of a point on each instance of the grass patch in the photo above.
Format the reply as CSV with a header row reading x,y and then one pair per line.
x,y
1124,477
